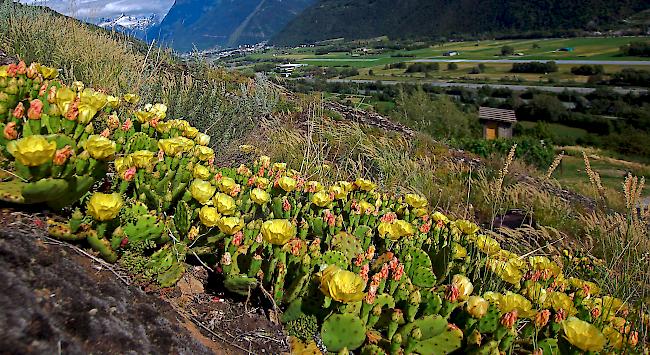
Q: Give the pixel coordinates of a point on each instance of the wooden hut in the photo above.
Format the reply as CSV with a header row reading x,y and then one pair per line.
x,y
497,123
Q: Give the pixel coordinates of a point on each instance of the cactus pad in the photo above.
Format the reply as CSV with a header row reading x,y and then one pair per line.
x,y
430,326
446,342
423,277
12,191
372,350
45,190
145,228
240,284
304,327
549,346
385,301
337,258
347,244
341,331
419,258
490,321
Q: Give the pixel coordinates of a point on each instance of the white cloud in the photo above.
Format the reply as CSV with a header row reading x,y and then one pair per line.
x,y
91,10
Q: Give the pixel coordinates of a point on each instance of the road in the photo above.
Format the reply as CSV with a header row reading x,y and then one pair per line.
x,y
559,61
556,89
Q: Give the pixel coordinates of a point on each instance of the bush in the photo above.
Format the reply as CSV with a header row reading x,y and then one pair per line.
x,y
637,77
534,67
588,70
640,49
532,150
423,67
507,50
452,66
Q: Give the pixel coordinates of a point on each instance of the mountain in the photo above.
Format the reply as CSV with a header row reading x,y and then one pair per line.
x,y
359,19
206,24
133,25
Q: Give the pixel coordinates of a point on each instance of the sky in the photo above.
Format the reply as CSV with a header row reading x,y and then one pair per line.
x,y
91,10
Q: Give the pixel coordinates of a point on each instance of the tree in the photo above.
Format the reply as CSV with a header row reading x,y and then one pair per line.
x,y
507,50
439,116
452,66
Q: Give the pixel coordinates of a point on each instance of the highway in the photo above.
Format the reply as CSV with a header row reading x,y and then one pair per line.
x,y
556,89
559,61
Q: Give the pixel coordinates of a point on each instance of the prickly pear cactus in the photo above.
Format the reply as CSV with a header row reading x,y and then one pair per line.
x,y
444,343
347,244
12,191
549,346
430,326
490,321
337,258
145,228
341,331
372,350
423,277
304,327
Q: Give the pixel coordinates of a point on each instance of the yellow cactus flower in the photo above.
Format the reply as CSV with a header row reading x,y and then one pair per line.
x,y
366,207
466,227
202,191
174,146
32,150
180,125
142,159
536,293
104,207
159,110
227,185
321,199
493,297
191,132
507,271
225,204
163,127
487,245
230,225
204,153
416,201
112,101
614,337
90,102
132,98
314,186
514,301
99,147
464,286
348,186
342,285
262,182
287,184
202,139
64,98
201,172
365,185
544,263
477,306
143,116
260,196
583,335
47,72
438,216
560,300
278,231
209,216
404,228
280,166
458,251
339,192
122,164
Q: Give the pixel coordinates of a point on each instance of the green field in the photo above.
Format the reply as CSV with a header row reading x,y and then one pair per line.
x,y
533,49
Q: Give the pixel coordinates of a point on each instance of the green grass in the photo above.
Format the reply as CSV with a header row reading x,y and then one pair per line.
x,y
559,130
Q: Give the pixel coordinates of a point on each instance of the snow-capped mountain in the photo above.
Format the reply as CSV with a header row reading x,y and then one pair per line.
x,y
135,25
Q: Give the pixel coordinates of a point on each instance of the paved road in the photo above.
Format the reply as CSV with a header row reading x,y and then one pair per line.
x,y
557,89
510,61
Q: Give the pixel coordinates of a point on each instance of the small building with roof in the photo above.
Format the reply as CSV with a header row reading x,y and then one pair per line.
x,y
497,123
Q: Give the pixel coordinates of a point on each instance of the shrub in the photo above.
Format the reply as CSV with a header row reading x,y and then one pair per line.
x,y
588,70
452,66
534,67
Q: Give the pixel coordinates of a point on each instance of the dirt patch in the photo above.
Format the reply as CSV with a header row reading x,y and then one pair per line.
x,y
55,300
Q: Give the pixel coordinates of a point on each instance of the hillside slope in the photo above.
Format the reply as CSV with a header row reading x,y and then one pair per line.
x,y
355,19
224,23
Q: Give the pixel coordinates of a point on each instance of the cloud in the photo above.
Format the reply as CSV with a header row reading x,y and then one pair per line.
x,y
91,10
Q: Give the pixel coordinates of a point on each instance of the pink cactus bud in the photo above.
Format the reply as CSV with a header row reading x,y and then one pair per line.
x,y
10,132
19,111
452,293
509,319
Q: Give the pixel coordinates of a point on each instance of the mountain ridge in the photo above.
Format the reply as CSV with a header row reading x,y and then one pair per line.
x,y
203,24
357,19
